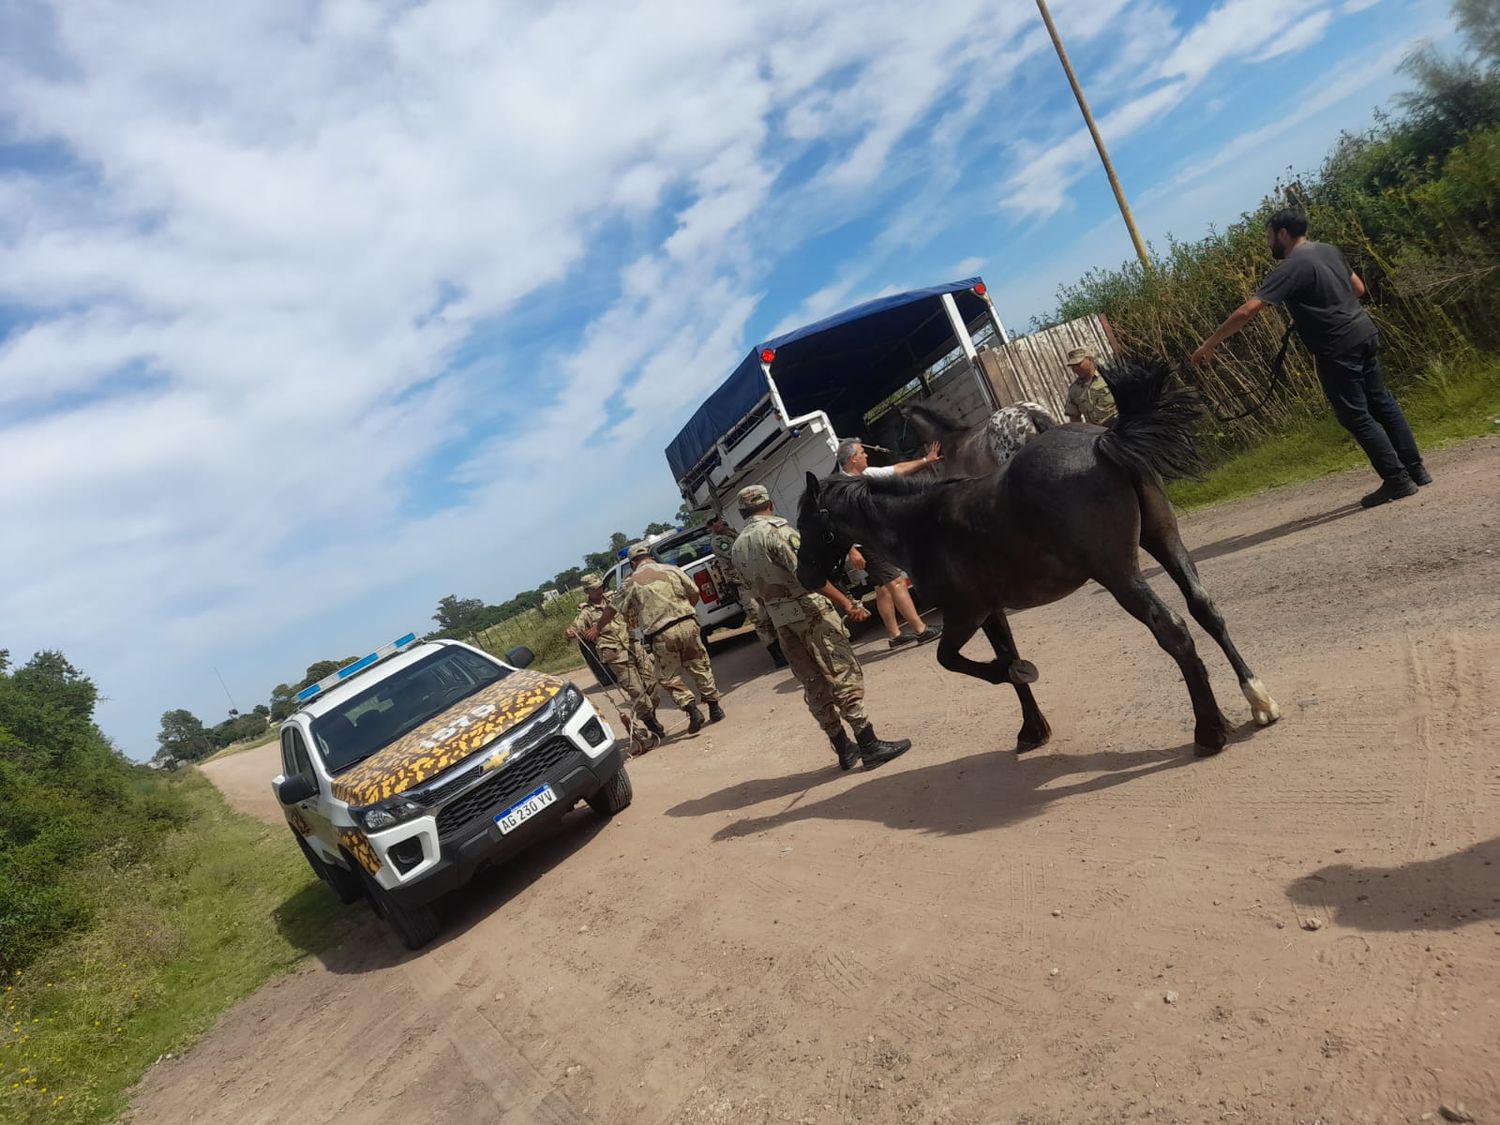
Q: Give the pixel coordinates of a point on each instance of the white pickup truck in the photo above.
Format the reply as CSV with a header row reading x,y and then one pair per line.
x,y
690,549
406,771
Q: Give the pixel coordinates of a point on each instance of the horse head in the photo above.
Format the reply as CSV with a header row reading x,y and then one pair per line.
x,y
931,425
824,545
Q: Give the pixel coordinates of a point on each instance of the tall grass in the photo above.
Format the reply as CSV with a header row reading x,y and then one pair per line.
x,y
542,630
1414,205
223,904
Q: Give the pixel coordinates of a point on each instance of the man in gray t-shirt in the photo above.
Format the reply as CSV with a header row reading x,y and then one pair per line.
x,y
1322,294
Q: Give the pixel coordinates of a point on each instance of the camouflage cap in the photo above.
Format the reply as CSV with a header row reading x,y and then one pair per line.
x,y
637,550
1078,355
591,581
754,496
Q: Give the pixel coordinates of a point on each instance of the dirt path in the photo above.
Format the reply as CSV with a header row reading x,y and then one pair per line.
x,y
1304,929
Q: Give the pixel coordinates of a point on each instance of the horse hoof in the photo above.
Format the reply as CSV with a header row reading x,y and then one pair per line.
x,y
1264,709
1207,751
1027,742
1023,672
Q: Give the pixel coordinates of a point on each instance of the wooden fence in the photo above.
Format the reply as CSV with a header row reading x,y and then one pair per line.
x,y
1033,368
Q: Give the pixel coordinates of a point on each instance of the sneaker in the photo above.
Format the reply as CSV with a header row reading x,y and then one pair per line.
x,y
1419,473
1397,488
903,639
929,634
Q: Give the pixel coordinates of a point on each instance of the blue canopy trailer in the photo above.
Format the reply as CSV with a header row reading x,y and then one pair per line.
x,y
783,410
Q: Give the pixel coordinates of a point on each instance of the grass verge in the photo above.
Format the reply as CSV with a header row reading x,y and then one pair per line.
x,y
542,631
1444,406
224,905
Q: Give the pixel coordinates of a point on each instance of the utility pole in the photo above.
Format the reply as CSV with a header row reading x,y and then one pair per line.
x,y
1114,180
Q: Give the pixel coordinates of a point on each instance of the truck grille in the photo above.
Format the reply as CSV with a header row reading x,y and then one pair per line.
x,y
507,786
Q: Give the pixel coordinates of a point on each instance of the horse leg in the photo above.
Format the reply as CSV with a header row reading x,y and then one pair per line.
x,y
1035,730
1160,538
1211,730
957,629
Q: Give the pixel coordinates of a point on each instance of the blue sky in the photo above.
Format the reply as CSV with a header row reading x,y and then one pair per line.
x,y
313,313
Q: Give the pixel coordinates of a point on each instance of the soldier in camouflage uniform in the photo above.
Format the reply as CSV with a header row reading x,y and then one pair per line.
x,y
658,599
1089,398
721,537
811,634
619,652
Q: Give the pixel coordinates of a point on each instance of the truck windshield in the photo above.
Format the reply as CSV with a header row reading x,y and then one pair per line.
x,y
382,713
680,554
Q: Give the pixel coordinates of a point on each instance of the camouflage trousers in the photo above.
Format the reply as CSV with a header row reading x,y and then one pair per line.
x,y
633,671
679,652
823,660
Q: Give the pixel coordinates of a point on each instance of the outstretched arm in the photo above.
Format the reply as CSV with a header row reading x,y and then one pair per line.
x,y
934,453
1235,321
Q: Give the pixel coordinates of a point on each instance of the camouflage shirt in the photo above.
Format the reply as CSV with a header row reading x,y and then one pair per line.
x,y
765,554
1090,402
656,594
613,638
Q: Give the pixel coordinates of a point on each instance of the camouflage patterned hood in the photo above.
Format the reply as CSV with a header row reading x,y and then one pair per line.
x,y
446,739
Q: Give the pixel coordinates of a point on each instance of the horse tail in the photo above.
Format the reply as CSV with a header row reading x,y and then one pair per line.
x,y
1155,435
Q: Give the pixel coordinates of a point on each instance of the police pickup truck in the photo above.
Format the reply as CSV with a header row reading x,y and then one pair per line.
x,y
407,770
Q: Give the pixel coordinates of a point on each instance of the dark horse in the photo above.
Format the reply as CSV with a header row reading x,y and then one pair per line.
x,y
1074,504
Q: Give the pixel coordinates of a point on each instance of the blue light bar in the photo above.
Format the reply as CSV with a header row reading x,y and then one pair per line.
x,y
353,669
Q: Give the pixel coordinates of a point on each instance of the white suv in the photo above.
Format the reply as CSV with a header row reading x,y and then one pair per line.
x,y
406,771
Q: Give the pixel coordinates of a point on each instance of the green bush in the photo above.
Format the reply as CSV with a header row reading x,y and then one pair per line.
x,y
70,801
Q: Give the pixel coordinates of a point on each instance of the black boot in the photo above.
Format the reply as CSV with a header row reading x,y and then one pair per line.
x,y
875,751
715,712
778,658
653,724
1418,473
695,718
844,747
1397,487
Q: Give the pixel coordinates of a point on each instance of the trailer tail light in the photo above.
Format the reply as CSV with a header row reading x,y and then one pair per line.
x,y
706,589
767,354
980,289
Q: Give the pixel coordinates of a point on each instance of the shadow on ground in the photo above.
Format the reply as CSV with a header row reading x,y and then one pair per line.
x,y
982,791
371,945
1444,893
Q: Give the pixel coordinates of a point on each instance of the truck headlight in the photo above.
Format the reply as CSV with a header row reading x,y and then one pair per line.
x,y
568,703
388,814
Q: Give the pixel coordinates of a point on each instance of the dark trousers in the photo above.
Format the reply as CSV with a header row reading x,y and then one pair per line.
x,y
1356,390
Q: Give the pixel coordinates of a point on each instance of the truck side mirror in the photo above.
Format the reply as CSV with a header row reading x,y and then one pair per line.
x,y
520,657
295,789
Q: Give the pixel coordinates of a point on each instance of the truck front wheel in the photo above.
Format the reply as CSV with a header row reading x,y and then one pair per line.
x,y
414,925
614,796
341,880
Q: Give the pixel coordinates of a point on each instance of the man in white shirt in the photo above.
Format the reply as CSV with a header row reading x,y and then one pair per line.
x,y
891,594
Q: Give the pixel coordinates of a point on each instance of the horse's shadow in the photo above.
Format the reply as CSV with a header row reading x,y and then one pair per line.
x,y
990,789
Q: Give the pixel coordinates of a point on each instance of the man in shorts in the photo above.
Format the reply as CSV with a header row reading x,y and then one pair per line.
x,y
891,595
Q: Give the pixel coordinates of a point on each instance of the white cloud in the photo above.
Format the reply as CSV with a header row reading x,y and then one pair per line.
x,y
323,312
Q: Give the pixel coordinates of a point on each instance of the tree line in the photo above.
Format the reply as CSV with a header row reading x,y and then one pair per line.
x,y
186,738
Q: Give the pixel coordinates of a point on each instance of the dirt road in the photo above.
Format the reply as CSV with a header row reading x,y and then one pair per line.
x,y
1303,929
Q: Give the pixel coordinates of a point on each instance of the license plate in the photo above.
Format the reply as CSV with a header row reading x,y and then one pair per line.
x,y
526,808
